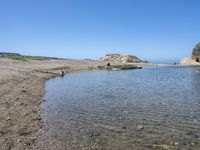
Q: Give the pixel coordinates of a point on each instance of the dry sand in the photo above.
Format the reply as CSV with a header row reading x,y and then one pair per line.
x,y
21,91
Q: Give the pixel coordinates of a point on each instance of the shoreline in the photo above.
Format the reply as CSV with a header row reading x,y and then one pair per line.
x,y
22,89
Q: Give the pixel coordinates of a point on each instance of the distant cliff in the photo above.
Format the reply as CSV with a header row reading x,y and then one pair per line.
x,y
121,58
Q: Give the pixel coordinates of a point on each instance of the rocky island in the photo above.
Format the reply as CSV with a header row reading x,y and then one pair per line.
x,y
126,62
122,58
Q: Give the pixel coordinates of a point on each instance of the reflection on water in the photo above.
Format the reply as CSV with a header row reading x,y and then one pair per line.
x,y
142,109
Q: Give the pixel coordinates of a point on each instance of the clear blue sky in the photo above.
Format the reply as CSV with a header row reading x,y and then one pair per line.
x,y
149,29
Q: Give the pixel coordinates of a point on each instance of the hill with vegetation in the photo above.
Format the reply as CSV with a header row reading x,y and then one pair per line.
x,y
5,54
16,56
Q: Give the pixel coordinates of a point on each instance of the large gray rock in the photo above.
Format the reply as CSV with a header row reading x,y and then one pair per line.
x,y
121,58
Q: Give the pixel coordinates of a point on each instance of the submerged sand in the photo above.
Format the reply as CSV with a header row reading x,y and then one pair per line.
x,y
22,85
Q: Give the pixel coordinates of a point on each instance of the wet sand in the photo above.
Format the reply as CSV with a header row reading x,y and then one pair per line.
x,y
22,85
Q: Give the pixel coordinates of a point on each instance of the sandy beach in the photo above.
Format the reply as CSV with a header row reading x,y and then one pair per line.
x,y
22,86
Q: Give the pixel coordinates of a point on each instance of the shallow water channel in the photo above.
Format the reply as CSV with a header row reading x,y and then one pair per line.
x,y
136,109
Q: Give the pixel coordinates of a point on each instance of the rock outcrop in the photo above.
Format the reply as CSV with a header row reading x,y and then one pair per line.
x,y
189,61
121,58
196,53
118,67
194,59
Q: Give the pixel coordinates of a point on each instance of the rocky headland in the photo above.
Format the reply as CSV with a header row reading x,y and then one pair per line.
x,y
6,54
194,59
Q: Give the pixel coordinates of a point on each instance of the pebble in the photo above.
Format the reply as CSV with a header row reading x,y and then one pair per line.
x,y
176,143
37,108
2,132
21,103
124,127
19,140
125,112
33,139
8,119
192,144
139,128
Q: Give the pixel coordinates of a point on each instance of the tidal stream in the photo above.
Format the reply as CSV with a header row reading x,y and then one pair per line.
x,y
123,110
